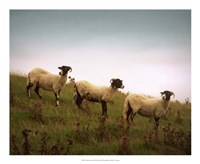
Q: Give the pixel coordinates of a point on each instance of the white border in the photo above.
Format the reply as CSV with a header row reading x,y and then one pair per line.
x,y
6,5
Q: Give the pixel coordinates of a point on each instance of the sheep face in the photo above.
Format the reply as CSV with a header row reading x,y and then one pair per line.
x,y
166,95
64,70
116,83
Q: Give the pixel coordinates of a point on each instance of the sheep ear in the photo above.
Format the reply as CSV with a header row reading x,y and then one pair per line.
x,y
59,67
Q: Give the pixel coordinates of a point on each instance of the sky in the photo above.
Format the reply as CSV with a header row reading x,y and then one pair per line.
x,y
150,50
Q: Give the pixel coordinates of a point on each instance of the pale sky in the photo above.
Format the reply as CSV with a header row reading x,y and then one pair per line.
x,y
150,50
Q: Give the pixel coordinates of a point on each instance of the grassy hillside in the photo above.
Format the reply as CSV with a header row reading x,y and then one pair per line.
x,y
38,127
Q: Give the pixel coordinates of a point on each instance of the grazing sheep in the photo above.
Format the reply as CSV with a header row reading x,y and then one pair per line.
x,y
47,81
100,94
145,106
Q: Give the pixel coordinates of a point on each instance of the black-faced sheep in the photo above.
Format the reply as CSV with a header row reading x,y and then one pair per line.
x,y
146,106
47,81
93,93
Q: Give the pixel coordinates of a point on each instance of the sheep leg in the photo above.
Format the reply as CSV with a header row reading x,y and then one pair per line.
x,y
131,114
57,95
78,100
37,91
132,117
28,91
104,109
156,128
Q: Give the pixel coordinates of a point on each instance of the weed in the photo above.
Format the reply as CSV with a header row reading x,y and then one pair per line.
x,y
148,139
101,131
82,136
178,117
87,109
69,145
26,145
56,149
122,128
15,147
36,112
177,138
44,148
124,147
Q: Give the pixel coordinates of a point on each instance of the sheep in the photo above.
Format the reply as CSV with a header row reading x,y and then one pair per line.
x,y
101,94
71,80
146,106
47,81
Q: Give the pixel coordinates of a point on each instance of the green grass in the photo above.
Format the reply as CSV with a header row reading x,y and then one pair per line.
x,y
68,130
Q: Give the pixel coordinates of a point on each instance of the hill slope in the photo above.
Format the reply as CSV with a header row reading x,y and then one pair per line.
x,y
38,127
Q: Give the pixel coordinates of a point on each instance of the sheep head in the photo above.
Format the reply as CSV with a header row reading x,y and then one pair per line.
x,y
116,83
64,70
167,94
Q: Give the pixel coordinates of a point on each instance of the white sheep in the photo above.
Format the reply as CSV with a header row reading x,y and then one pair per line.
x,y
146,106
100,94
47,81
